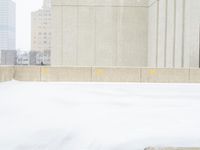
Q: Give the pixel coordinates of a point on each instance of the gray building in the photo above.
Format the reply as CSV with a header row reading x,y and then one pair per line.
x,y
8,57
22,58
40,58
7,25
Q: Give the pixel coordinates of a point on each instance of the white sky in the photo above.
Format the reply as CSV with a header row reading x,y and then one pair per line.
x,y
23,22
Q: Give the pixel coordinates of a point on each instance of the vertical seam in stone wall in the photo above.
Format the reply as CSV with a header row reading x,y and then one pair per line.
x,y
183,35
157,31
117,38
174,44
14,72
95,34
62,35
189,76
199,45
140,76
41,74
166,30
91,74
77,32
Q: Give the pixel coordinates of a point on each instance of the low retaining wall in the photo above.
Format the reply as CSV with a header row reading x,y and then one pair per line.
x,y
165,75
6,73
27,73
115,74
74,74
100,74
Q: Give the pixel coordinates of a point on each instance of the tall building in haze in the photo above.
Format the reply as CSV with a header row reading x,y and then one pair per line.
x,y
41,28
41,35
7,25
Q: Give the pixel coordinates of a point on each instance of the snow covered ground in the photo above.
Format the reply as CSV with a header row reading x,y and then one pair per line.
x,y
98,116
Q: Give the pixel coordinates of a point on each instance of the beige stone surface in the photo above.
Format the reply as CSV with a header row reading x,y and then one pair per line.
x,y
100,74
99,33
72,74
27,73
173,33
115,74
165,75
86,38
195,75
6,73
57,48
143,3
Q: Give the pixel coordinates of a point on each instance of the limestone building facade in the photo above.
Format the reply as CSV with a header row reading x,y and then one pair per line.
x,y
136,33
174,33
100,32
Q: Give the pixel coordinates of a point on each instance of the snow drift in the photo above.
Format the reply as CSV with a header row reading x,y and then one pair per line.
x,y
98,116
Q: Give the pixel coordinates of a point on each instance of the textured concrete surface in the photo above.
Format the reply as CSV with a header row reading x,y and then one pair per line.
x,y
100,74
27,73
116,75
165,75
195,75
73,74
100,33
173,33
6,73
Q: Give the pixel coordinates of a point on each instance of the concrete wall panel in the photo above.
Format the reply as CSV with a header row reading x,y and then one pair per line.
x,y
72,74
64,2
100,32
165,75
101,2
170,34
178,38
106,36
115,75
6,73
86,36
194,15
179,34
87,2
132,44
70,35
195,75
152,36
187,35
161,33
27,73
100,74
57,34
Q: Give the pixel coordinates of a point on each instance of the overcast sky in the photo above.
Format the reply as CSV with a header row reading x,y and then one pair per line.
x,y
23,21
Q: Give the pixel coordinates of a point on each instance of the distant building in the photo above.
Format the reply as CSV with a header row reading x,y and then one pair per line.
x,y
7,25
40,58
47,57
41,28
8,57
22,58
